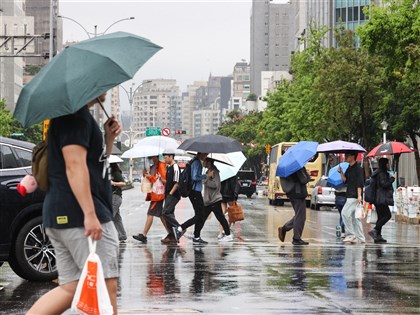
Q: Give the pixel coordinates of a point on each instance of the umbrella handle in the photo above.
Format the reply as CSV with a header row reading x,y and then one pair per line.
x,y
102,106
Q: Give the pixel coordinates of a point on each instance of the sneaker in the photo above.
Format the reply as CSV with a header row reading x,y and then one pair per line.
x,y
380,240
226,238
177,233
299,242
199,240
189,235
140,237
221,235
350,239
374,234
343,235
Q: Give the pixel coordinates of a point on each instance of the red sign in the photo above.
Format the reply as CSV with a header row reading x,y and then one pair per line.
x,y
166,132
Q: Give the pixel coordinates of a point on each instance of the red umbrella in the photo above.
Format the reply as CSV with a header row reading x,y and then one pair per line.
x,y
390,148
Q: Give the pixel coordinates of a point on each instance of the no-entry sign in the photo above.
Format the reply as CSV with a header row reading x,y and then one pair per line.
x,y
166,132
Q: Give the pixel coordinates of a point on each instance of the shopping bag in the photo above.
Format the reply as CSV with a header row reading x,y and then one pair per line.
x,y
235,212
146,185
158,187
372,216
92,297
360,211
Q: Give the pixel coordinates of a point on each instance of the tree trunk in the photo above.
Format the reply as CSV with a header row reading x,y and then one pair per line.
x,y
413,138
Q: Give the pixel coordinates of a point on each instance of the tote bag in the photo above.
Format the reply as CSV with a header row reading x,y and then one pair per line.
x,y
235,212
158,187
92,297
146,185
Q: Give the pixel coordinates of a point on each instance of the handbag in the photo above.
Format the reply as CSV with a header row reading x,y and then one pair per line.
x,y
360,211
146,185
92,295
235,212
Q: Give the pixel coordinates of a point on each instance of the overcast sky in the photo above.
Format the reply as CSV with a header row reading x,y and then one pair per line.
x,y
198,37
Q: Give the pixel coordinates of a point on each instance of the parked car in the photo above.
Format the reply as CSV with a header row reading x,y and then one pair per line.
x,y
23,242
136,178
322,194
247,182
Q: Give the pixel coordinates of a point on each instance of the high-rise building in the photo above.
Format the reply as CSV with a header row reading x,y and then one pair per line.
x,y
188,106
152,104
12,23
270,39
241,85
206,120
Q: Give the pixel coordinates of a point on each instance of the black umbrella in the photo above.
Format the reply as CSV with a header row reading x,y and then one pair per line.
x,y
211,144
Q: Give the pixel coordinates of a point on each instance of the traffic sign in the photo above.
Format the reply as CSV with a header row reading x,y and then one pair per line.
x,y
153,131
166,132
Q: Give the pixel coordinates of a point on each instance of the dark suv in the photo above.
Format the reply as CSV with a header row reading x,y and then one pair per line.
x,y
247,182
23,242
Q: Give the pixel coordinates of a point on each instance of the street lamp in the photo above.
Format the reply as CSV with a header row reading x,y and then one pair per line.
x,y
131,134
95,33
384,126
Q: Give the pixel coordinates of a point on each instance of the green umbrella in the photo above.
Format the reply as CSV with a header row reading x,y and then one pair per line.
x,y
81,73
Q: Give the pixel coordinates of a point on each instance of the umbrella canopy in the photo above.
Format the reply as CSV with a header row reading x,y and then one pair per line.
x,y
227,171
80,73
296,157
390,148
221,158
211,144
152,146
340,147
114,159
334,177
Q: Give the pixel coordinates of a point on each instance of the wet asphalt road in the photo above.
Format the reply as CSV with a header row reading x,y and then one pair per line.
x,y
255,274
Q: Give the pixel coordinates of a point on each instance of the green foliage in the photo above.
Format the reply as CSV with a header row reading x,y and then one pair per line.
x,y
252,97
9,126
32,69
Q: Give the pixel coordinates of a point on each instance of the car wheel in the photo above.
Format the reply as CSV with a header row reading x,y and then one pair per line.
x,y
33,256
270,202
312,205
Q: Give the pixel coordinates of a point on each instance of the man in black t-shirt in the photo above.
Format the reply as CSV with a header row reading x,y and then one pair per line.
x,y
78,204
172,196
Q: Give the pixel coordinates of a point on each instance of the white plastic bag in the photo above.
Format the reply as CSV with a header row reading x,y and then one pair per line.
x,y
158,187
360,211
372,216
92,297
146,185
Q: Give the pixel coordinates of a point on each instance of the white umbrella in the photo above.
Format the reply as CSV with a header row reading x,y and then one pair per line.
x,y
217,157
114,159
151,146
226,171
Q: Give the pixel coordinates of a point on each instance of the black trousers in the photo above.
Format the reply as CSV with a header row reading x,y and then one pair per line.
x,y
198,204
384,215
216,208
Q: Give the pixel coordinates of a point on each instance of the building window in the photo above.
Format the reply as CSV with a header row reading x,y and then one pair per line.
x,y
355,13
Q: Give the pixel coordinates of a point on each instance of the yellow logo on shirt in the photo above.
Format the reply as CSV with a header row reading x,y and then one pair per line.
x,y
62,220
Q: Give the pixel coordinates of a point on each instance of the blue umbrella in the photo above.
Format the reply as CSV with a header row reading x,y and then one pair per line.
x,y
296,157
334,177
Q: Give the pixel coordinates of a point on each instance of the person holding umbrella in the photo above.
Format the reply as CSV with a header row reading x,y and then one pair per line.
x,y
78,204
157,171
384,198
353,177
294,175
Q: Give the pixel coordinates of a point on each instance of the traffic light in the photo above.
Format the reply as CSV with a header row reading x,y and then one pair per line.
x,y
180,132
267,148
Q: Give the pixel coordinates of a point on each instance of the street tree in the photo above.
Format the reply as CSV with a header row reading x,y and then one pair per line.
x,y
393,34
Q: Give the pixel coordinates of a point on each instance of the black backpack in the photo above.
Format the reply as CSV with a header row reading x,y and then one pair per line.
x,y
370,190
185,183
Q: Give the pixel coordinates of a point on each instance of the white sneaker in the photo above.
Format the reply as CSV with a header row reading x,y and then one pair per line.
x,y
350,239
189,235
221,235
226,238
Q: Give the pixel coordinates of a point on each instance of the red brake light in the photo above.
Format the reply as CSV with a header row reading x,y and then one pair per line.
x,y
319,190
254,183
313,173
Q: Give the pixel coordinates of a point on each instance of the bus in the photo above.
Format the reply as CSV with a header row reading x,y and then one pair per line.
x,y
315,167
